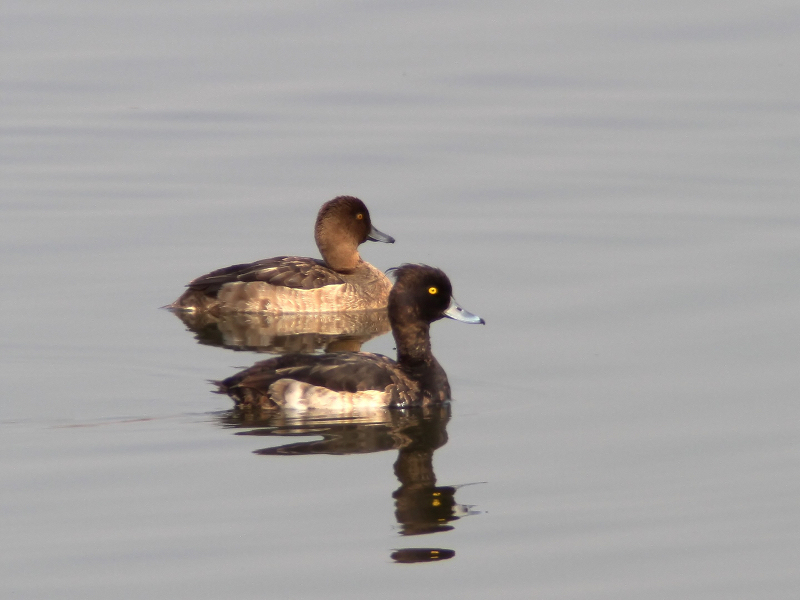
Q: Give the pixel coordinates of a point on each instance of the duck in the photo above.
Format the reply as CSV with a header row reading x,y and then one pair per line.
x,y
347,381
341,281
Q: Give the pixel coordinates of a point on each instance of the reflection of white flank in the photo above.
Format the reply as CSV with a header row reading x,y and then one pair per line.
x,y
298,332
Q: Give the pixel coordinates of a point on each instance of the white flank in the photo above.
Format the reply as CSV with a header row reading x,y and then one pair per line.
x,y
297,395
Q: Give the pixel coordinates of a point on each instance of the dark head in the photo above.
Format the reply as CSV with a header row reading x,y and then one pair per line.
x,y
342,225
424,294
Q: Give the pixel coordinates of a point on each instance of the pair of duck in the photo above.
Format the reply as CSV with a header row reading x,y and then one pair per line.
x,y
341,281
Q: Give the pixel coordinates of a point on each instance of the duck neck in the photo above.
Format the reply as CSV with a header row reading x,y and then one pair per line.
x,y
339,249
340,259
413,344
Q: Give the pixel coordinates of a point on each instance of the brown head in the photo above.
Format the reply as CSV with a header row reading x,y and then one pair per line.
x,y
420,296
343,224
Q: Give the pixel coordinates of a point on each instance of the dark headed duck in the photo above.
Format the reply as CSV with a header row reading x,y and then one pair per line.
x,y
346,381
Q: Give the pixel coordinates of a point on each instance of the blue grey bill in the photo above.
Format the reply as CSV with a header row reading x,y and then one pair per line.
x,y
375,235
454,311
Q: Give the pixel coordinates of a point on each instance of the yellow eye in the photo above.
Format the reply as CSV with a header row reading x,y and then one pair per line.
x,y
359,216
433,290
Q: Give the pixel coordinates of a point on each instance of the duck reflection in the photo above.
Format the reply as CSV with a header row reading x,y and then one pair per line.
x,y
421,506
287,333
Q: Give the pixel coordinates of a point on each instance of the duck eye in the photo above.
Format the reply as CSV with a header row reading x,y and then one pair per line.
x,y
433,290
360,216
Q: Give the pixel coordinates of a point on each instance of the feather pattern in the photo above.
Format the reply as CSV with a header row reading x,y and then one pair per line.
x,y
345,373
295,272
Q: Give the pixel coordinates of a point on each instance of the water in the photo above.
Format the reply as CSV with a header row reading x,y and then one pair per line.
x,y
612,187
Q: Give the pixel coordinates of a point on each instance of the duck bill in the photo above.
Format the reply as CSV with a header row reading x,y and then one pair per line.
x,y
454,311
375,235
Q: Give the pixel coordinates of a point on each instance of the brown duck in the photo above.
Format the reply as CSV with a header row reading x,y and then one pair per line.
x,y
341,281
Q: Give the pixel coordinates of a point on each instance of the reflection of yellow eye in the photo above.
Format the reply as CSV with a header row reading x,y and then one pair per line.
x,y
432,290
359,216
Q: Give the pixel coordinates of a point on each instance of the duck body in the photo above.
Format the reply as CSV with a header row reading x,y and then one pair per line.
x,y
287,284
352,380
341,281
336,381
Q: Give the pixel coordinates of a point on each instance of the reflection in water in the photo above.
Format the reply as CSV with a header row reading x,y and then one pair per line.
x,y
414,555
421,507
280,334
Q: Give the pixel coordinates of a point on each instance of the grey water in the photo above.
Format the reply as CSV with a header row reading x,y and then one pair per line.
x,y
612,186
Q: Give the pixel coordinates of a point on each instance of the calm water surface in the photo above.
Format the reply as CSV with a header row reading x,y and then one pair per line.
x,y
613,188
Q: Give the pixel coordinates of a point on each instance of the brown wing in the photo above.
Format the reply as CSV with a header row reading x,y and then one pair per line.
x,y
289,271
340,372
